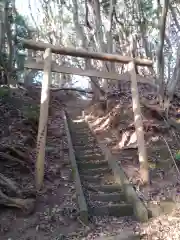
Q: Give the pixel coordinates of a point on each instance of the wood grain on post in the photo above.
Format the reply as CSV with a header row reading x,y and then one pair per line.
x,y
43,119
143,160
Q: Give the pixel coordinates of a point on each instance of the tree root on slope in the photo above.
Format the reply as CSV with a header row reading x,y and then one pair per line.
x,y
27,205
6,156
8,183
10,193
15,151
160,115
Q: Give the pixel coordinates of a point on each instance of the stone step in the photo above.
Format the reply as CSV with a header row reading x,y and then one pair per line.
x,y
87,148
109,197
89,151
96,171
89,158
99,179
82,134
83,145
79,128
91,179
93,165
116,210
124,235
111,188
80,124
80,142
83,137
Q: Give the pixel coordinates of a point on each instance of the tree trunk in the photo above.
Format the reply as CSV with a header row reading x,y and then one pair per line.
x,y
143,26
171,86
160,56
111,84
9,44
1,26
100,35
29,76
174,16
95,86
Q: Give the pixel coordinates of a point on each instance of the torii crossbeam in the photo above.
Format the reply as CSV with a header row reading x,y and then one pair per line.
x,y
40,46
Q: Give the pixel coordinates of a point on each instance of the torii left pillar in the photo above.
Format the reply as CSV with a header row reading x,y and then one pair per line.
x,y
43,120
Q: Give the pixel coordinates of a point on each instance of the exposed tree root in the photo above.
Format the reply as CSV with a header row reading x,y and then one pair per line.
x,y
149,125
8,183
99,121
22,115
11,188
158,113
110,120
30,141
33,124
5,156
174,123
16,153
155,110
103,125
111,103
27,205
119,120
98,109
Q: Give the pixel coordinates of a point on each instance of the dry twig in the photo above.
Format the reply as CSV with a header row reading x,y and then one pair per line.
x,y
171,155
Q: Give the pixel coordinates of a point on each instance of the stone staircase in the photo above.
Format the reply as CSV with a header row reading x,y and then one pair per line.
x,y
103,195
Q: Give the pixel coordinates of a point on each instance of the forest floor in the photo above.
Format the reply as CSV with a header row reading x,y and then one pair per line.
x,y
55,215
114,126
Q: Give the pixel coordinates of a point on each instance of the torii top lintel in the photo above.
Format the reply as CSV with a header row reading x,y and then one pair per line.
x,y
40,46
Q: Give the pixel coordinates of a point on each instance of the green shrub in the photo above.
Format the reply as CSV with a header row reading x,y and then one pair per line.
x,y
4,91
31,112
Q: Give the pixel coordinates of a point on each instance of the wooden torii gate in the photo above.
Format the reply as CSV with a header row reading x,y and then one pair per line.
x,y
48,66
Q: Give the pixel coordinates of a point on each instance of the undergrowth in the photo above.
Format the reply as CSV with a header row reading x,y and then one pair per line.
x,y
4,92
31,112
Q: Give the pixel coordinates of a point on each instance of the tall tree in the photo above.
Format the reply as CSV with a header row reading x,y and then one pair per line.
x,y
160,55
12,26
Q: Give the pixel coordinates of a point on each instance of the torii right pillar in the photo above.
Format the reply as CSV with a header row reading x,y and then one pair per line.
x,y
143,159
